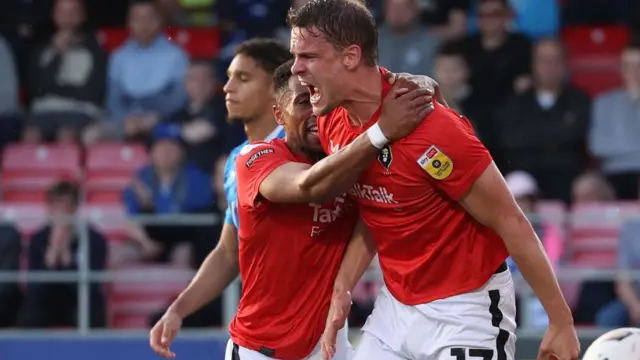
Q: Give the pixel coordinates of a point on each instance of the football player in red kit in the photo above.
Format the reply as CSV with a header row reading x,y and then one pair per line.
x,y
437,207
290,250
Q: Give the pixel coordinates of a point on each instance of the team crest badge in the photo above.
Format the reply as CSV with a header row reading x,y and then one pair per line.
x,y
436,163
385,157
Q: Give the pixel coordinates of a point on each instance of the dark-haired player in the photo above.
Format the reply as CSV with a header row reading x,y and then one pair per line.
x,y
290,253
250,98
436,205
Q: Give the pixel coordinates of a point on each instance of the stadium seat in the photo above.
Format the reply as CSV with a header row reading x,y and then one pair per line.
x,y
594,232
581,40
107,161
111,38
131,302
595,83
27,217
201,43
20,161
594,56
198,42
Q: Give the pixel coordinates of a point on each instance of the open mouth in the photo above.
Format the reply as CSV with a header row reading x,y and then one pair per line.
x,y
314,91
312,126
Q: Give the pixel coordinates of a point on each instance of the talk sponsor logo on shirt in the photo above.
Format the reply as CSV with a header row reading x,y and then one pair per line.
x,y
378,194
324,215
436,163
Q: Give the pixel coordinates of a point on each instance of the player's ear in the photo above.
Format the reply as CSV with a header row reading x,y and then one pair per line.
x,y
351,57
277,114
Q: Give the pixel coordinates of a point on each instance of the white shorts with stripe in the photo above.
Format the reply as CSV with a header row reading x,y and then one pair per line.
x,y
478,325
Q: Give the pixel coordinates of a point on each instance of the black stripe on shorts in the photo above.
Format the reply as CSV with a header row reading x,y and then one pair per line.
x,y
496,319
234,353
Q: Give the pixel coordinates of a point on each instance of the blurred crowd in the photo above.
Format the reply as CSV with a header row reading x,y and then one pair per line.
x,y
499,62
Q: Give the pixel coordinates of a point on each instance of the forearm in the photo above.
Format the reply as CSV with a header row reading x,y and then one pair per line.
x,y
217,271
627,294
336,173
357,258
529,255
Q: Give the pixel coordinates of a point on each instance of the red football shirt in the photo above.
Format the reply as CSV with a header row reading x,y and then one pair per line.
x,y
429,247
289,257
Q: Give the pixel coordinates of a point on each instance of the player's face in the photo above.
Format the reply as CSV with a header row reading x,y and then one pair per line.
x,y
293,110
320,67
248,92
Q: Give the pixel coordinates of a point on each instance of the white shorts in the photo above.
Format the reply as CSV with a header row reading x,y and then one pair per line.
x,y
344,350
478,325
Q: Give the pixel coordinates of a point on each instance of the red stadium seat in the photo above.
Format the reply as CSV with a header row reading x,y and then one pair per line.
x,y
198,42
21,161
105,189
27,217
109,160
129,302
594,232
201,43
112,38
595,83
583,40
594,56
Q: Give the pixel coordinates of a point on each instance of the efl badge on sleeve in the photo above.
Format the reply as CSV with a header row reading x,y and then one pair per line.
x,y
385,157
436,163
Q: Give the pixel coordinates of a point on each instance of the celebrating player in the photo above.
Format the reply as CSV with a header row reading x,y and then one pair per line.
x,y
290,253
249,97
438,209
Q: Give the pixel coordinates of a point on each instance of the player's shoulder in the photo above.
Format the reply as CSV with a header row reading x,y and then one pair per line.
x,y
444,120
251,152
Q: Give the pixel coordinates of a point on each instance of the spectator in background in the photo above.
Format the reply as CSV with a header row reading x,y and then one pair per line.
x,y
591,187
500,60
170,186
445,18
67,76
615,125
499,63
202,126
452,73
146,75
404,45
625,309
543,130
10,293
535,18
172,13
56,247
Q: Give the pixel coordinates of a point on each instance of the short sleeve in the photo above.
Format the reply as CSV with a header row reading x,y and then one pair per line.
x,y
254,163
453,157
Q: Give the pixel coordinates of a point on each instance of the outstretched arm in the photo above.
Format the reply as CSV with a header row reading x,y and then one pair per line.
x,y
215,274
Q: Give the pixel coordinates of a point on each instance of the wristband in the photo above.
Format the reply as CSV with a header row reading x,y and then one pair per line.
x,y
377,138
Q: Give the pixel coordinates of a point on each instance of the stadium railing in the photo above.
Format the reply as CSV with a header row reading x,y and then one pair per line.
x,y
84,276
